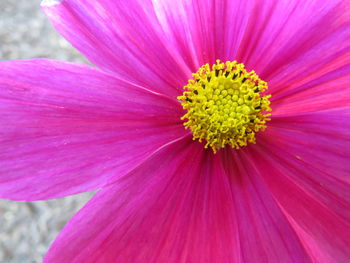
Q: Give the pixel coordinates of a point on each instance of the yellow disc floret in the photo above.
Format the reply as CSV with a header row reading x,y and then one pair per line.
x,y
226,105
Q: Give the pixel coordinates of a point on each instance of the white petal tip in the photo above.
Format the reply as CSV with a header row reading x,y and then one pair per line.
x,y
50,2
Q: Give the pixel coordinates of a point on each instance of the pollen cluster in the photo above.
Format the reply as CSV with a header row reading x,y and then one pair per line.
x,y
226,105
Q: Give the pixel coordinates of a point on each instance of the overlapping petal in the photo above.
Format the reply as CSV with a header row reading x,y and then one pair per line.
x,y
124,37
320,139
67,128
184,205
174,208
328,91
265,234
318,80
304,161
286,35
280,40
265,35
205,30
303,53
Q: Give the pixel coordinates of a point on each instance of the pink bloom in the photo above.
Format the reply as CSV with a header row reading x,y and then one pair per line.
x,y
69,128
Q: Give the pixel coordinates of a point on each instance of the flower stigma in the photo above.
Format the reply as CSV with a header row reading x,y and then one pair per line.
x,y
226,105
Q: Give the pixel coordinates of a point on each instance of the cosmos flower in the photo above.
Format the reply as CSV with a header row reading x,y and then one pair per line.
x,y
214,131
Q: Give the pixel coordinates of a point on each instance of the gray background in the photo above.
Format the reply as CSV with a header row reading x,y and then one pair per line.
x,y
28,228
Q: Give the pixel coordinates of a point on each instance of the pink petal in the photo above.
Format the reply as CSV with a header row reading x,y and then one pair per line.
x,y
325,88
124,37
265,35
181,206
308,67
68,128
326,94
284,38
265,234
300,47
174,208
304,160
205,30
319,138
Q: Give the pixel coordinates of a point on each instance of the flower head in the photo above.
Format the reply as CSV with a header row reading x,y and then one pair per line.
x,y
224,105
214,131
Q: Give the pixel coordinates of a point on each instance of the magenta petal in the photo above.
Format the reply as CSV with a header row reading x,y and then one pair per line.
x,y
205,30
304,160
321,139
285,39
325,88
268,36
175,208
184,205
68,128
124,37
264,232
308,70
323,233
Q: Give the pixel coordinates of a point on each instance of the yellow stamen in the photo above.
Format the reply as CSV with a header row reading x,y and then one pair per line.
x,y
225,105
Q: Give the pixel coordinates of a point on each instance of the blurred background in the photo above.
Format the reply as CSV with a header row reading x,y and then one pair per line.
x,y
28,228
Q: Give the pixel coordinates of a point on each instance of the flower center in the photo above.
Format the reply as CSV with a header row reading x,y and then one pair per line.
x,y
225,105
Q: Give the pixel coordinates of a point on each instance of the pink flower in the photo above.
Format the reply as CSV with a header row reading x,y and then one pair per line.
x,y
69,128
